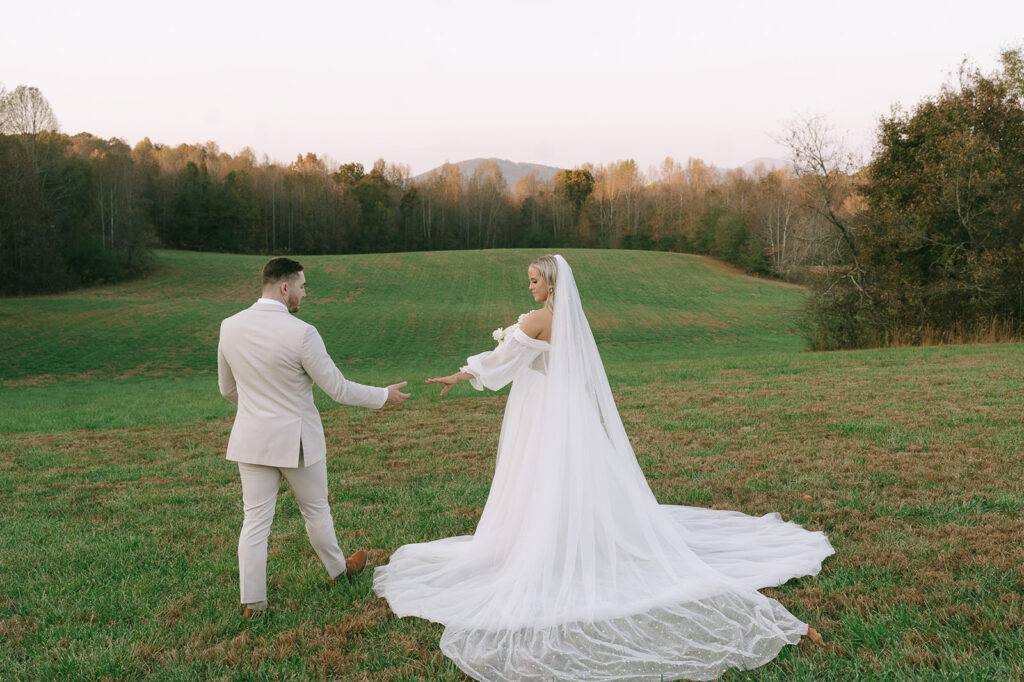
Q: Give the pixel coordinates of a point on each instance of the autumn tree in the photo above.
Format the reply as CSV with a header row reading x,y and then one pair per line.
x,y
439,207
25,246
796,238
944,241
618,198
1012,75
52,233
827,170
378,197
828,173
485,204
25,111
931,232
670,208
526,197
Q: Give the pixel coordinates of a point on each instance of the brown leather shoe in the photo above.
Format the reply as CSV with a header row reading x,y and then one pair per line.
x,y
355,564
249,613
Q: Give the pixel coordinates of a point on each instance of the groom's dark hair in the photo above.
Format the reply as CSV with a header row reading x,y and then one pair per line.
x,y
277,269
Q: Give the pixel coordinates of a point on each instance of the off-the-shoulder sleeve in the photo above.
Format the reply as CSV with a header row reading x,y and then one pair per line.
x,y
494,369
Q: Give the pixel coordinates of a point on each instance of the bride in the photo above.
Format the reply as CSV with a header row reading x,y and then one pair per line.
x,y
575,571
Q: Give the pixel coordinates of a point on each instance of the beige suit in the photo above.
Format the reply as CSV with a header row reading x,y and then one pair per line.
x,y
267,363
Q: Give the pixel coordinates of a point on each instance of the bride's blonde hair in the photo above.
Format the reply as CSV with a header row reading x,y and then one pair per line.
x,y
548,268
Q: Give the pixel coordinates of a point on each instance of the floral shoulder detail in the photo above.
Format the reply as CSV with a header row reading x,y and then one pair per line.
x,y
500,334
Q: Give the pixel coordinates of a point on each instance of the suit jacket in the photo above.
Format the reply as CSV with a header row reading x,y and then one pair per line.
x,y
267,363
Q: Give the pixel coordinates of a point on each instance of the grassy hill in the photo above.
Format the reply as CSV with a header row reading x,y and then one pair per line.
x,y
383,317
120,515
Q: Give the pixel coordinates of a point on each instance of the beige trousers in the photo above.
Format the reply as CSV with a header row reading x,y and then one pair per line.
x,y
259,498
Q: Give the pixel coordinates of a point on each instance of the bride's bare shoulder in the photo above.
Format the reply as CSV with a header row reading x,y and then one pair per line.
x,y
537,324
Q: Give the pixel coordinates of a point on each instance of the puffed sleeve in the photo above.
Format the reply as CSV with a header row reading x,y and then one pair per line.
x,y
494,369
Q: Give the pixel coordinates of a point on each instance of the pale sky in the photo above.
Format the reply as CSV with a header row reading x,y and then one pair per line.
x,y
560,83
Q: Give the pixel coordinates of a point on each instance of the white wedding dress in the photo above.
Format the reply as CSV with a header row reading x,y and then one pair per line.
x,y
575,572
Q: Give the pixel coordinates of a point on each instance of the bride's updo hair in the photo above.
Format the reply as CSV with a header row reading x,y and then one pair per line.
x,y
548,268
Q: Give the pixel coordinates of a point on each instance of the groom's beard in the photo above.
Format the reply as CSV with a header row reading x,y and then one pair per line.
x,y
293,304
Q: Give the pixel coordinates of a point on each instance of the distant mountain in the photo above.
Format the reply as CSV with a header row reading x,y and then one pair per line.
x,y
510,170
749,167
768,162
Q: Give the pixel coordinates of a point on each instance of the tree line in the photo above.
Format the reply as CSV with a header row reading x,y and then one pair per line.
x,y
79,209
931,230
923,242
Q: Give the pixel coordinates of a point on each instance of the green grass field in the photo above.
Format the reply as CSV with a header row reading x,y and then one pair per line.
x,y
120,515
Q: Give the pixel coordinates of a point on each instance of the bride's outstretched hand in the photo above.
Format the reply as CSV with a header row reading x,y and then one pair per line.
x,y
448,382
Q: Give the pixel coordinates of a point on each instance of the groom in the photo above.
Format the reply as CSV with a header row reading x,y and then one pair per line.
x,y
267,363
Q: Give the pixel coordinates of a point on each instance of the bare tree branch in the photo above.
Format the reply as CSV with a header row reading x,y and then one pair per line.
x,y
24,111
826,168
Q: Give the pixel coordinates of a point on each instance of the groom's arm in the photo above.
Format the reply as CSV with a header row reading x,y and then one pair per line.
x,y
326,375
225,378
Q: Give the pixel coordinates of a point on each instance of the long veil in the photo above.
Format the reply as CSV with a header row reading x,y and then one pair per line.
x,y
575,571
576,371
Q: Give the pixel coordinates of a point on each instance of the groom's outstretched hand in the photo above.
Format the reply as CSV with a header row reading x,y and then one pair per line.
x,y
395,395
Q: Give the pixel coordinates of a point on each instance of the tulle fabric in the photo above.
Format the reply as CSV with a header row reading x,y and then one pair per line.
x,y
575,572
